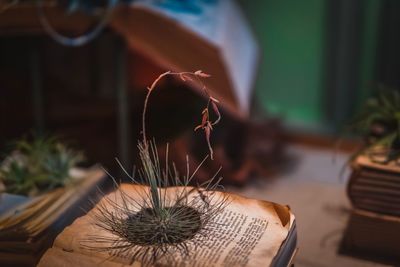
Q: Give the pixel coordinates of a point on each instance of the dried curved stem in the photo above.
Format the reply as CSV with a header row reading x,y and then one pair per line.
x,y
206,124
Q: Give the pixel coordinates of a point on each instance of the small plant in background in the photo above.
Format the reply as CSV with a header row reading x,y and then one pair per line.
x,y
163,221
38,166
379,123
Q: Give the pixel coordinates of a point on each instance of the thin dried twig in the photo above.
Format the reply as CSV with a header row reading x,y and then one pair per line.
x,y
206,123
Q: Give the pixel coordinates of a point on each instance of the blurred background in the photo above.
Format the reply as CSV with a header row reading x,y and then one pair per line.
x,y
321,59
289,76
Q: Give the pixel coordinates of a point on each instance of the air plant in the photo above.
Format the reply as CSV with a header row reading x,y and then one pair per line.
x,y
379,123
164,221
38,166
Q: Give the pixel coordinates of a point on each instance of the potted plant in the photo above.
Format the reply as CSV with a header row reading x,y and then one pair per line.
x,y
378,123
36,167
40,189
375,167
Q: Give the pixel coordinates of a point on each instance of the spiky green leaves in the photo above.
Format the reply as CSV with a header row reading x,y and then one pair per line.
x,y
161,222
37,166
379,123
173,225
157,224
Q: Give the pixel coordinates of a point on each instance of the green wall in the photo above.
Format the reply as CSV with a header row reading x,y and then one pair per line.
x,y
290,34
369,46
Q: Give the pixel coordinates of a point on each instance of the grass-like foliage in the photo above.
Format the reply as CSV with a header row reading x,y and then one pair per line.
x,y
38,166
162,222
379,123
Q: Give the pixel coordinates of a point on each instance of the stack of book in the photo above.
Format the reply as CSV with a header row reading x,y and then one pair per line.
x,y
374,225
29,225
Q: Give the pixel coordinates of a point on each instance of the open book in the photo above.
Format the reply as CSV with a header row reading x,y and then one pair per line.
x,y
250,233
188,35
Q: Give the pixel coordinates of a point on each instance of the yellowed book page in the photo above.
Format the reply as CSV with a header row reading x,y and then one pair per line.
x,y
250,232
56,257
